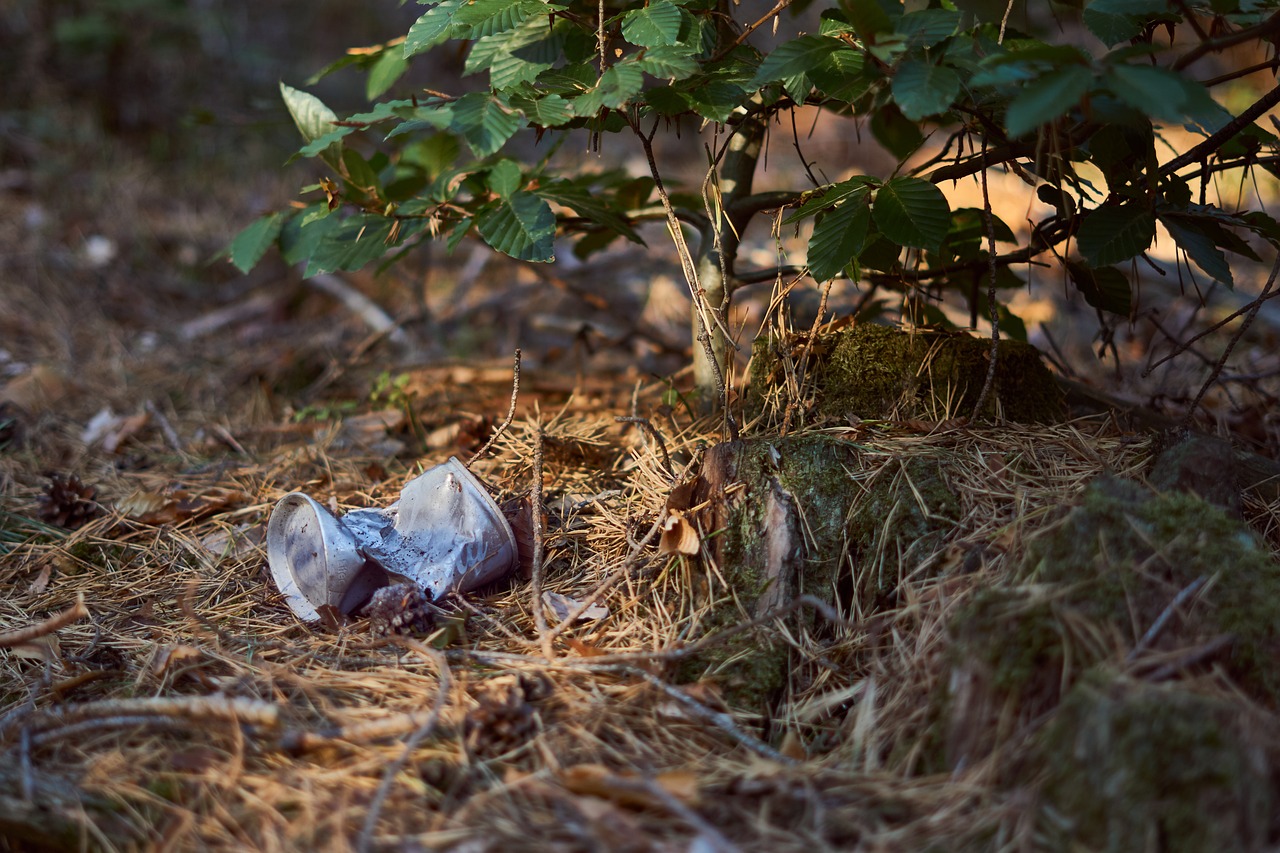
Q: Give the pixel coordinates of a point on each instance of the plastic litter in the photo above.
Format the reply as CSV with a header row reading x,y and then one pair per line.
x,y
444,534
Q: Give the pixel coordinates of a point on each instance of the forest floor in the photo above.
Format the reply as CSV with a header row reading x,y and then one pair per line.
x,y
185,707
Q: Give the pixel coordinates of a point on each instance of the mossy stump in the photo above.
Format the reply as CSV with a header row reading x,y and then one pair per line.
x,y
877,372
805,522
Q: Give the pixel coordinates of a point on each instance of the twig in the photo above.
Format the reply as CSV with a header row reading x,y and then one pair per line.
x,y
650,430
1194,656
254,712
1231,345
539,545
511,412
687,265
1224,134
991,286
719,719
58,620
1266,28
752,27
393,770
1163,619
362,306
1183,347
73,732
166,428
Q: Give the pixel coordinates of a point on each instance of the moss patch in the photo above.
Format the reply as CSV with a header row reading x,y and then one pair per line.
x,y
812,521
1139,767
1126,553
872,371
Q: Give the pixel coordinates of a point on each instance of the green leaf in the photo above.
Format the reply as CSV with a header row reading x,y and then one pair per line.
x,y
476,19
504,178
592,207
798,56
1115,233
390,66
322,144
348,244
550,111
523,227
1114,21
844,75
483,122
912,212
1049,97
1104,288
312,118
927,27
714,99
895,131
923,89
1200,248
358,171
248,247
653,25
522,54
827,197
868,17
1153,91
432,28
838,237
668,63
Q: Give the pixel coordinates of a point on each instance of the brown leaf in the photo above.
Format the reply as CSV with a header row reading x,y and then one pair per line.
x,y
41,581
595,780
562,605
585,650
679,536
174,656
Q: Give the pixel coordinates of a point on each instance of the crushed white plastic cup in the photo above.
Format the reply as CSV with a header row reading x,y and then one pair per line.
x,y
445,534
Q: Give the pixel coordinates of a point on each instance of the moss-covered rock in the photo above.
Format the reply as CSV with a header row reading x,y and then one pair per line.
x,y
872,371
1131,766
1125,554
811,521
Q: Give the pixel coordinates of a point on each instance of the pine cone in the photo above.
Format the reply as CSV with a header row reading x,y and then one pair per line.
x,y
505,717
401,608
68,503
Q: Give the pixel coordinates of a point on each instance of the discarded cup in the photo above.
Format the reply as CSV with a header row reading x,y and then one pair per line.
x,y
444,534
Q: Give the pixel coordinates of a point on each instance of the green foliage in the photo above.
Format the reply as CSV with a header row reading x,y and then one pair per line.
x,y
458,164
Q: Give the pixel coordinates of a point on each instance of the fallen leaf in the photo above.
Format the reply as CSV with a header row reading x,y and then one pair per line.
x,y
679,536
41,581
109,430
562,605
585,650
172,657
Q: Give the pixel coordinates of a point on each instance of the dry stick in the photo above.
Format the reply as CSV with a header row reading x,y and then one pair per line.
x,y
719,719
651,431
1192,657
1231,345
991,288
253,712
1183,347
72,732
1163,619
58,620
384,787
1224,134
700,308
794,405
511,412
535,497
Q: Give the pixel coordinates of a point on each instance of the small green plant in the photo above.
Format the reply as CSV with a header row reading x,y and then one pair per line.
x,y
1080,112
